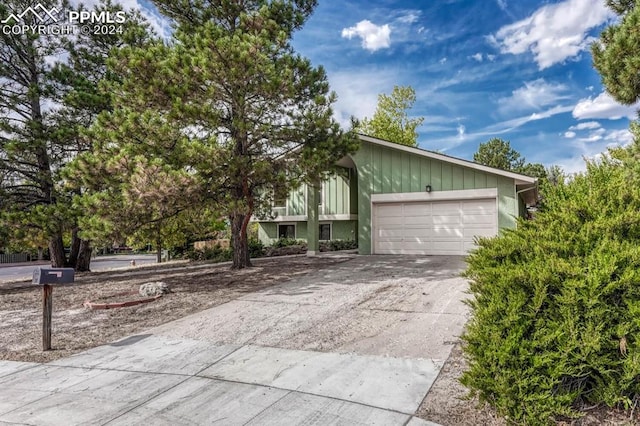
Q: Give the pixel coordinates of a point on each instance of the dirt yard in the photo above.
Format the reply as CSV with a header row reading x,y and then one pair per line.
x,y
76,328
196,287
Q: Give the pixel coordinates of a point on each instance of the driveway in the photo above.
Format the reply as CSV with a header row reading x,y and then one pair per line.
x,y
361,343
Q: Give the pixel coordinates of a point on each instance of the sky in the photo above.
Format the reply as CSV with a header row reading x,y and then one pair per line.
x,y
519,70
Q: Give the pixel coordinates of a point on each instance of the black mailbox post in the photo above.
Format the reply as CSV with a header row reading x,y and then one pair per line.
x,y
47,277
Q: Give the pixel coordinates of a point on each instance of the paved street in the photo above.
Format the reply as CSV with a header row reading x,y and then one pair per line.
x,y
100,263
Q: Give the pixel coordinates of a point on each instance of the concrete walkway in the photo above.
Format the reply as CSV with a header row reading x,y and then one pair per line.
x,y
359,344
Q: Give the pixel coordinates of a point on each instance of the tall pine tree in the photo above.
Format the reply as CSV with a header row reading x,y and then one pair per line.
x,y
247,116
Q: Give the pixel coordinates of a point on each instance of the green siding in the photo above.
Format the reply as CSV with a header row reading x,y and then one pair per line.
x,y
384,170
267,232
340,230
296,204
507,203
344,229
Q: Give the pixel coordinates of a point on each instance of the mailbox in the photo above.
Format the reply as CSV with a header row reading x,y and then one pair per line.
x,y
43,276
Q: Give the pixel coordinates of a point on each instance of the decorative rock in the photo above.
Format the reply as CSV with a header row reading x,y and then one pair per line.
x,y
154,289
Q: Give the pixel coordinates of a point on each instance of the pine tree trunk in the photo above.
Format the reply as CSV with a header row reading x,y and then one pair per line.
x,y
40,253
83,262
158,249
239,241
56,251
75,249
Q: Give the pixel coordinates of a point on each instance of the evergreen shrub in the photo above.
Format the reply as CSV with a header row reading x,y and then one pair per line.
x,y
556,302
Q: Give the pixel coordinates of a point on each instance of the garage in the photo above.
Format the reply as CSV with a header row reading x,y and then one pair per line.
x,y
446,227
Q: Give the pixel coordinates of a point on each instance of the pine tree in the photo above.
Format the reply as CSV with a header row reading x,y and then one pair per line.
x,y
245,116
43,108
617,54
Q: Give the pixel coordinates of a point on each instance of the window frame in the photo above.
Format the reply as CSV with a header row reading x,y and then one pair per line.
x,y
330,230
295,229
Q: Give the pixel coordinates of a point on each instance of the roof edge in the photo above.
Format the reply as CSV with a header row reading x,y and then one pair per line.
x,y
519,178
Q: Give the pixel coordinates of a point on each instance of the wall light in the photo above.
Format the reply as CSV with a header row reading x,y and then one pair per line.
x,y
428,188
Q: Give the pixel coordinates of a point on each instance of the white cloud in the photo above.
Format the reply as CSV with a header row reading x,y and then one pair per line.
x,y
603,106
461,129
554,32
491,57
586,125
410,17
620,137
374,37
569,135
478,57
534,94
358,91
502,4
443,60
594,135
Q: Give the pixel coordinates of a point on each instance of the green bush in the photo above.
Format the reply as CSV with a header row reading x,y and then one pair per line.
x,y
556,307
216,254
286,242
256,248
337,245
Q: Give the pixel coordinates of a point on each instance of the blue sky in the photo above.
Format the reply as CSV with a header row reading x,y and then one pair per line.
x,y
518,70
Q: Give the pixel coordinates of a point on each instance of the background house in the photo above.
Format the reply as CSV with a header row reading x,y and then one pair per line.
x,y
395,199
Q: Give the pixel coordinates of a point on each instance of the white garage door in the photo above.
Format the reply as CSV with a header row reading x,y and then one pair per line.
x,y
436,227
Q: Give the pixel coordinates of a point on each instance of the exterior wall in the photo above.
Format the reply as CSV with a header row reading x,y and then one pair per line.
x,y
344,229
338,197
386,170
340,230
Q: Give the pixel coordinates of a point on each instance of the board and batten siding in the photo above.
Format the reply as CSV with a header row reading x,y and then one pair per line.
x,y
339,196
383,170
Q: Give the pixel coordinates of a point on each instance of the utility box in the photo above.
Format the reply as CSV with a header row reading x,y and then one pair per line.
x,y
42,276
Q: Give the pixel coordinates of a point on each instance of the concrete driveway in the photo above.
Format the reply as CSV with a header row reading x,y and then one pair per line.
x,y
361,343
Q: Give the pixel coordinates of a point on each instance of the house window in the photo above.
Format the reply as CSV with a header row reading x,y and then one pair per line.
x,y
287,231
279,202
325,231
279,199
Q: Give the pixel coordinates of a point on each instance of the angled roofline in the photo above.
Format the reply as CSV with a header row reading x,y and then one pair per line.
x,y
519,178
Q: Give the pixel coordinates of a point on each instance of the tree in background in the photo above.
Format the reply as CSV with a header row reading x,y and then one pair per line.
x,y
498,153
43,108
617,54
227,109
391,121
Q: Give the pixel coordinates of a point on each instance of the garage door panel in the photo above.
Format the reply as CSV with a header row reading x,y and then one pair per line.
x,y
481,219
448,219
389,220
389,210
423,233
418,220
438,227
447,232
416,209
480,232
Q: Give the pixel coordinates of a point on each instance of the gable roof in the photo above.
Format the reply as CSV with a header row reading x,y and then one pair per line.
x,y
519,178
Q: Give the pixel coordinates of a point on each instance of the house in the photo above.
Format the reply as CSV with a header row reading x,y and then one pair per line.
x,y
395,199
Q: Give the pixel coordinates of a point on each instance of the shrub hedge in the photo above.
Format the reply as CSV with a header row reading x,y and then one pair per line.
x,y
556,302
